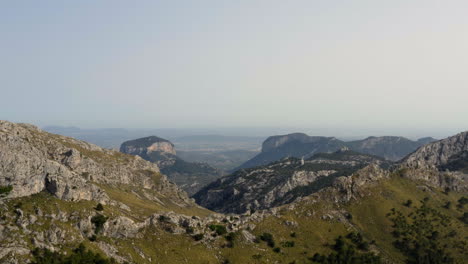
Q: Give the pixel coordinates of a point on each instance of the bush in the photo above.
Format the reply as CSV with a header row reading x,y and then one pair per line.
x,y
79,255
448,205
99,207
230,238
346,253
198,237
163,218
293,234
464,218
461,202
98,220
277,250
408,203
219,229
267,237
288,244
5,190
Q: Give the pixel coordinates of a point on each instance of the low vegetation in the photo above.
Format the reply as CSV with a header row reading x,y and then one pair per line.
x,y
348,250
424,235
5,190
80,255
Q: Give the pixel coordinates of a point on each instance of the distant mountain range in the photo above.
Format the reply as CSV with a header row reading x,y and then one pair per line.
x,y
190,176
301,145
285,181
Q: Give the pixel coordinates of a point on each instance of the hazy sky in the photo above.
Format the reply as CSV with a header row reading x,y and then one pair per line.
x,y
397,65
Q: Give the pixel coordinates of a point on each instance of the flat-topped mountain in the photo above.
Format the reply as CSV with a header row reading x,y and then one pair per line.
x,y
293,145
300,145
190,176
391,148
281,182
147,145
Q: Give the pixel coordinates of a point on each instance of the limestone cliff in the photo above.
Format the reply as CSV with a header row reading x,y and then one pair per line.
x,y
32,161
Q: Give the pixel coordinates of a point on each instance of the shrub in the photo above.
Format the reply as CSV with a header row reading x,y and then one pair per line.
x,y
99,207
189,230
219,229
267,237
98,220
408,203
198,237
288,244
464,218
230,238
277,250
5,190
78,255
448,205
345,253
163,218
461,202
293,234
257,256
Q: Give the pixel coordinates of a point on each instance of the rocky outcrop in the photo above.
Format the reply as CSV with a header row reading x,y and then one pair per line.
x,y
189,176
32,161
438,154
443,163
280,182
354,187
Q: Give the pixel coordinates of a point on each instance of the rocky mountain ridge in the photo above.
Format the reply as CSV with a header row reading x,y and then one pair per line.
x,y
300,145
33,161
281,182
440,164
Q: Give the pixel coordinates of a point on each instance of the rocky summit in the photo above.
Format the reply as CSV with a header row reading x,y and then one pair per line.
x,y
67,201
190,176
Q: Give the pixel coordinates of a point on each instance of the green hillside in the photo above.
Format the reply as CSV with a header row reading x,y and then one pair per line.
x,y
294,235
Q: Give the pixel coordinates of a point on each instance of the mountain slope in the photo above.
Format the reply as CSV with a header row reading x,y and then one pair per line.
x,y
280,182
145,219
301,145
190,176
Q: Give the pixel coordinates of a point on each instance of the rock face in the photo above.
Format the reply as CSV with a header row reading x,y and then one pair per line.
x,y
32,161
189,176
147,145
301,145
443,163
439,154
281,182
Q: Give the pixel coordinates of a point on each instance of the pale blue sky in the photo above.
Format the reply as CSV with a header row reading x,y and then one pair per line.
x,y
401,65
